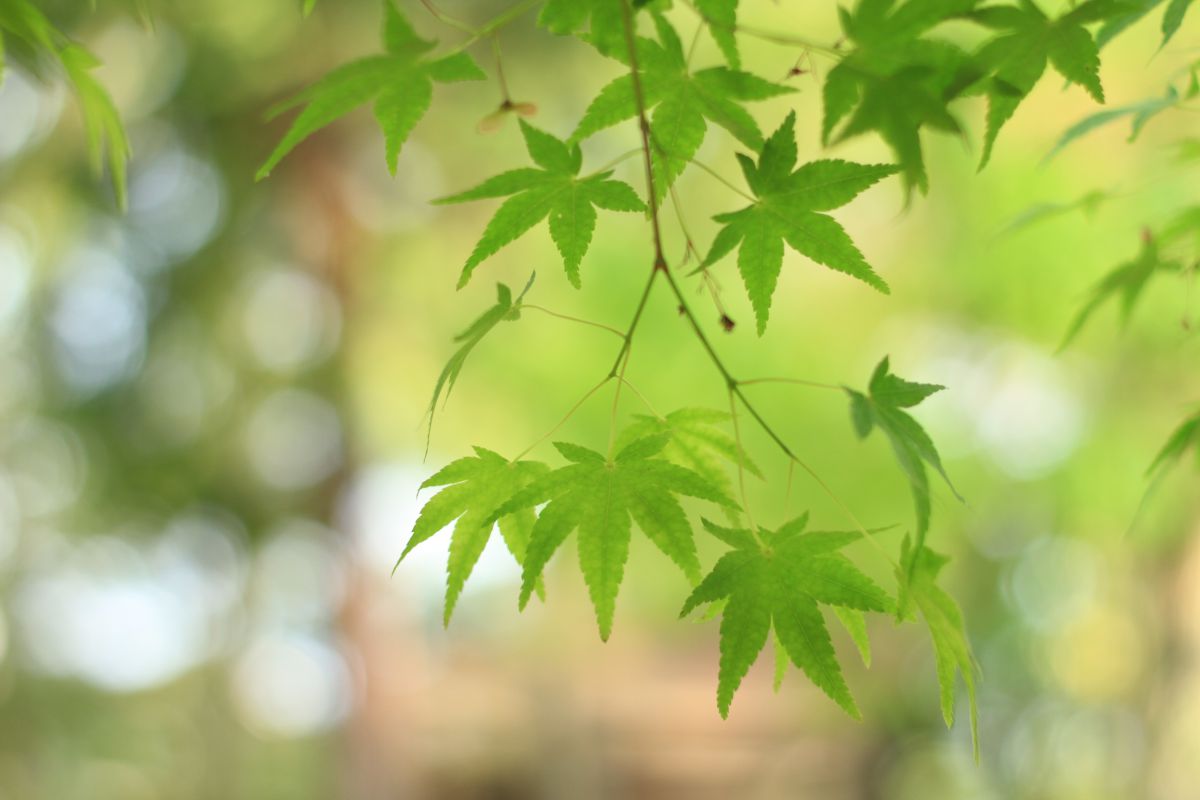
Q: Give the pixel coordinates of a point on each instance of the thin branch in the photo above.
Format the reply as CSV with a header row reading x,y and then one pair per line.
x,y
660,265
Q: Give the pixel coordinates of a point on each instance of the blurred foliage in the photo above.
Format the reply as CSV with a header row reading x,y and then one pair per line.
x,y
211,436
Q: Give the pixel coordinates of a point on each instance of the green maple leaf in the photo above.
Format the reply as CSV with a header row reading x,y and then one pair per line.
x,y
505,309
598,497
400,83
606,30
883,407
1186,435
721,18
777,581
1118,23
1173,18
681,102
895,81
694,442
1126,282
918,572
553,190
475,488
1027,42
788,209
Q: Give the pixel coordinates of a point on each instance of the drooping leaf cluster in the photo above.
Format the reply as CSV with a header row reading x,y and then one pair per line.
x,y
399,83
28,36
883,407
897,74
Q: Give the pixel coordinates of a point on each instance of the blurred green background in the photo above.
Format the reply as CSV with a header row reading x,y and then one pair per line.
x,y
211,441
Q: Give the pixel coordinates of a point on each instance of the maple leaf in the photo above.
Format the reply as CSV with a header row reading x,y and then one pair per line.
x,y
1173,18
1126,281
400,83
475,488
894,81
917,573
1141,113
788,209
721,18
606,30
553,190
777,581
1028,40
599,496
681,103
694,442
883,407
504,309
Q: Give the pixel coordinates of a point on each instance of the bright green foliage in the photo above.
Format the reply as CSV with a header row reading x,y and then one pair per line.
x,y
505,309
695,442
1173,18
918,572
1140,113
1119,22
682,102
1126,282
896,81
1028,39
601,17
30,34
599,496
1187,435
787,209
400,83
883,407
777,580
105,133
476,487
721,18
553,190
1089,203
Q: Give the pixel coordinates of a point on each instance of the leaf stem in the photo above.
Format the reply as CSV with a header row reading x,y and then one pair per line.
x,y
496,23
612,419
588,322
628,154
729,184
446,19
649,406
578,404
773,37
796,381
741,470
